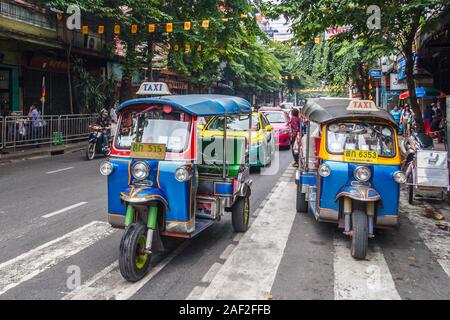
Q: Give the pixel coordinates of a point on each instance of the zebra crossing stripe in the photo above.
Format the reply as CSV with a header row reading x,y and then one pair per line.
x,y
109,284
250,270
368,279
28,265
435,239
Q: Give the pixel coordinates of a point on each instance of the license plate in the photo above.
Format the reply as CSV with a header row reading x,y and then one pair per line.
x,y
364,156
155,151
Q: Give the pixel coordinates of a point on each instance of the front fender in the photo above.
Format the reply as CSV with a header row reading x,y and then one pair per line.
x,y
143,195
360,193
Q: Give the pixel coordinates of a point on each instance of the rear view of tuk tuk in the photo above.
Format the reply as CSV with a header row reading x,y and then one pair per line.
x,y
350,168
164,179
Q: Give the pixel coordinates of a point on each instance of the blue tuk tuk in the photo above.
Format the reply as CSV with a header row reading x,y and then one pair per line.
x,y
349,172
165,179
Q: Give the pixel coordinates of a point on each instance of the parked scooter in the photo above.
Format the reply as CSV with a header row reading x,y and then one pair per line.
x,y
95,143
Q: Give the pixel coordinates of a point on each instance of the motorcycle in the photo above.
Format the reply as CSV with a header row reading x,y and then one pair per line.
x,y
95,143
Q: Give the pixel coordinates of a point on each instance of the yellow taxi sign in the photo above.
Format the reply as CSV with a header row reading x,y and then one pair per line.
x,y
362,105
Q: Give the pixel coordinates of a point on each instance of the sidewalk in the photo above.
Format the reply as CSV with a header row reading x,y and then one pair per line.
x,y
41,151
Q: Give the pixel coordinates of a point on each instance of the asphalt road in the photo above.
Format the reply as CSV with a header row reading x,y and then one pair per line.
x,y
53,213
35,253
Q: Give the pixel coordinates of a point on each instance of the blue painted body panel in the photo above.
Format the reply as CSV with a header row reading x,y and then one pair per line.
x,y
341,177
197,104
118,181
308,179
224,189
178,194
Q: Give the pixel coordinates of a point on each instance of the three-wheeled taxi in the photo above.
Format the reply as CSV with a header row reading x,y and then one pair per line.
x,y
165,179
349,172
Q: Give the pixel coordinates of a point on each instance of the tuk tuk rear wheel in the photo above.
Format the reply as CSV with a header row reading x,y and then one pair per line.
x,y
301,203
360,234
240,214
134,262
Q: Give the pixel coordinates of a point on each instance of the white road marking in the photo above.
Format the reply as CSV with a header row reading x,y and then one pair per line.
x,y
59,170
196,293
54,213
30,264
361,279
109,284
250,270
228,250
207,278
435,239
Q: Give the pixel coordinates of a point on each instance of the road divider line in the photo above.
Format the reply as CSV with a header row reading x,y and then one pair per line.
x,y
109,284
228,250
207,278
54,213
250,270
368,279
28,265
59,170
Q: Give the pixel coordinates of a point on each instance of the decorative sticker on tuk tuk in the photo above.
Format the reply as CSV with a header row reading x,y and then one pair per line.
x,y
362,156
155,151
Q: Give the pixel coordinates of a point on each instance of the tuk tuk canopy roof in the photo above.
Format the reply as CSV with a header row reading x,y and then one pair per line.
x,y
197,104
325,110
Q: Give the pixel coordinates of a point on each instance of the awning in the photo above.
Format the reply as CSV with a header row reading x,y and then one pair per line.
x,y
426,93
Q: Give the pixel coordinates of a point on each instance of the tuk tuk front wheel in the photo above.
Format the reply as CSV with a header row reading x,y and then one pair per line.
x,y
240,214
360,234
301,203
134,262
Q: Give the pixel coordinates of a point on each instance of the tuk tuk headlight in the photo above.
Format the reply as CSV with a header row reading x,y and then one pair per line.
x,y
183,174
140,170
106,168
399,177
362,174
324,170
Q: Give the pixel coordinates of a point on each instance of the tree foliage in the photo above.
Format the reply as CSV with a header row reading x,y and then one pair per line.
x,y
400,22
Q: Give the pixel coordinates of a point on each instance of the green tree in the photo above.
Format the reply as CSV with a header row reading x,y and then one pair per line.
x,y
400,22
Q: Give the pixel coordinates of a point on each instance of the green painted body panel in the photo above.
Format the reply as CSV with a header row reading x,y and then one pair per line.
x,y
152,215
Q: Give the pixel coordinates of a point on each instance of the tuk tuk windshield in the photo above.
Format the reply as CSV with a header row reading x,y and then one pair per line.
x,y
360,136
234,123
155,125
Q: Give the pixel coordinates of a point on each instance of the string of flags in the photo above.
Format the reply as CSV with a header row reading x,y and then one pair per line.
x,y
161,26
286,77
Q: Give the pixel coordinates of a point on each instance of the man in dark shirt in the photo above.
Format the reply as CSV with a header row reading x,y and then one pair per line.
x,y
104,121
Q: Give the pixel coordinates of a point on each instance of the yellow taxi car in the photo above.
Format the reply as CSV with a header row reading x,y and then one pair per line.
x,y
262,144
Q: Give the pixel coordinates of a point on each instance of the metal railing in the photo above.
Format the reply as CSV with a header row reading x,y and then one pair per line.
x,y
17,132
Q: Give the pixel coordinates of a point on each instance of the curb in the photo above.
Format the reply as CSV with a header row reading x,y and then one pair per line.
x,y
44,152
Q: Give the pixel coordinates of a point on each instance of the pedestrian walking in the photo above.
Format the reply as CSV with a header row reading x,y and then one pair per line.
x,y
36,124
437,118
294,124
407,118
396,113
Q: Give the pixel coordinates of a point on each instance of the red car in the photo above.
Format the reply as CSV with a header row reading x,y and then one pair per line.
x,y
279,120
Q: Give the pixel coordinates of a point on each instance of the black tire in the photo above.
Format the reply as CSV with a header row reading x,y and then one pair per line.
x,y
90,151
240,214
132,243
360,234
301,203
410,190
